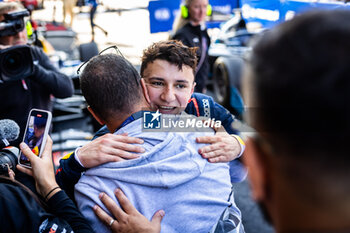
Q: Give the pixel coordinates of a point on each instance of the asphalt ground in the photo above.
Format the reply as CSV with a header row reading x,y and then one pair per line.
x,y
129,30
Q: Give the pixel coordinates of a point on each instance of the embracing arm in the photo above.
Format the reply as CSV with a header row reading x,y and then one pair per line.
x,y
103,149
68,174
225,145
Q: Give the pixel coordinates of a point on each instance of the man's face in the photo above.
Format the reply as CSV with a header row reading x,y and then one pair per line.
x,y
18,39
168,88
251,158
39,131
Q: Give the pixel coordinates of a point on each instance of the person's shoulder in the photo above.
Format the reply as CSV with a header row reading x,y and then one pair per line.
x,y
198,103
184,30
201,97
198,95
36,49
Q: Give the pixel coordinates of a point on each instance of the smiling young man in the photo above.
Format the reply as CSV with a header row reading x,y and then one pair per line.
x,y
169,86
167,89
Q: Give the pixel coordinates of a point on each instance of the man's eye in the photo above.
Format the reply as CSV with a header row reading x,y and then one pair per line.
x,y
157,83
180,86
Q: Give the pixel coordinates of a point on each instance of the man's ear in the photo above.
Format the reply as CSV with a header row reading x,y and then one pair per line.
x,y
193,86
254,160
98,119
145,91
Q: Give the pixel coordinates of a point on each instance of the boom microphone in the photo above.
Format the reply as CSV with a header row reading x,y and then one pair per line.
x,y
9,131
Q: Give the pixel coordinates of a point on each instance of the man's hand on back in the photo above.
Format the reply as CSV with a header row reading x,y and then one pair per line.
x,y
109,148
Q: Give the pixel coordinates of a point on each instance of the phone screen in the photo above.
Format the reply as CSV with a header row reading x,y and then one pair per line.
x,y
35,134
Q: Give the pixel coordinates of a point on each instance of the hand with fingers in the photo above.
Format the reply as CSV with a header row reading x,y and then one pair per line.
x,y
126,218
223,146
109,148
42,169
11,173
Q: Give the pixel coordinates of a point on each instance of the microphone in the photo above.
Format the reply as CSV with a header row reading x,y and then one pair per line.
x,y
9,131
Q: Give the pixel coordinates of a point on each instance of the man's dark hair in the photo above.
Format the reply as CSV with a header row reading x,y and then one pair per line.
x,y
108,85
301,77
172,51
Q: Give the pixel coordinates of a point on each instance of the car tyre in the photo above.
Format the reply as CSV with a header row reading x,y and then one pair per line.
x,y
221,81
226,76
87,51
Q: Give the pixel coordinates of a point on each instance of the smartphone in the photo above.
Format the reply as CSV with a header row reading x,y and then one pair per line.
x,y
35,135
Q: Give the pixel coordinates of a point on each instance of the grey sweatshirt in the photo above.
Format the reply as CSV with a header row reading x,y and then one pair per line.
x,y
170,175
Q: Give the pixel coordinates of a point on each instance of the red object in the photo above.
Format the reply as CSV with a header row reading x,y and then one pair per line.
x,y
195,105
53,27
30,4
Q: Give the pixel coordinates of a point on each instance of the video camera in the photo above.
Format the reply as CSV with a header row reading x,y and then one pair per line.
x,y
13,23
15,62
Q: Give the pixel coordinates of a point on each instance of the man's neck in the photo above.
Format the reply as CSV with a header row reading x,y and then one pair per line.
x,y
117,120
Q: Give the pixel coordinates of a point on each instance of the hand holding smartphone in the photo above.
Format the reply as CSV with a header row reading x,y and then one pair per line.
x,y
35,135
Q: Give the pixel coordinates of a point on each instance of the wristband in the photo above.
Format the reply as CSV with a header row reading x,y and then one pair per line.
x,y
76,156
51,192
241,144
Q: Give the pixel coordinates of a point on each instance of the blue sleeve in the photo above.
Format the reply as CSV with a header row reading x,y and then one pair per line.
x,y
226,118
68,174
203,105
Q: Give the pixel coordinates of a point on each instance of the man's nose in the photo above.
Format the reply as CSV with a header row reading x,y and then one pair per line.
x,y
168,95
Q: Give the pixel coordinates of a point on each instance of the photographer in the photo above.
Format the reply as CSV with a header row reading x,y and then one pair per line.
x,y
20,94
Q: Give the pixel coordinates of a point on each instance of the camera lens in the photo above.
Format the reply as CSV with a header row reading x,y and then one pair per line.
x,y
13,62
16,63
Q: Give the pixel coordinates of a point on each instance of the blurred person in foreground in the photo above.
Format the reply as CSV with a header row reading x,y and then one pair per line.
x,y
298,165
297,90
189,27
35,91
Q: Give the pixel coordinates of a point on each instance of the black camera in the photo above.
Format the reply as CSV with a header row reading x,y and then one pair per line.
x,y
13,23
8,156
16,63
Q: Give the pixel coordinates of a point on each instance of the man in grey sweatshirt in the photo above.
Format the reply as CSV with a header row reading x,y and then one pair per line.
x,y
170,175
